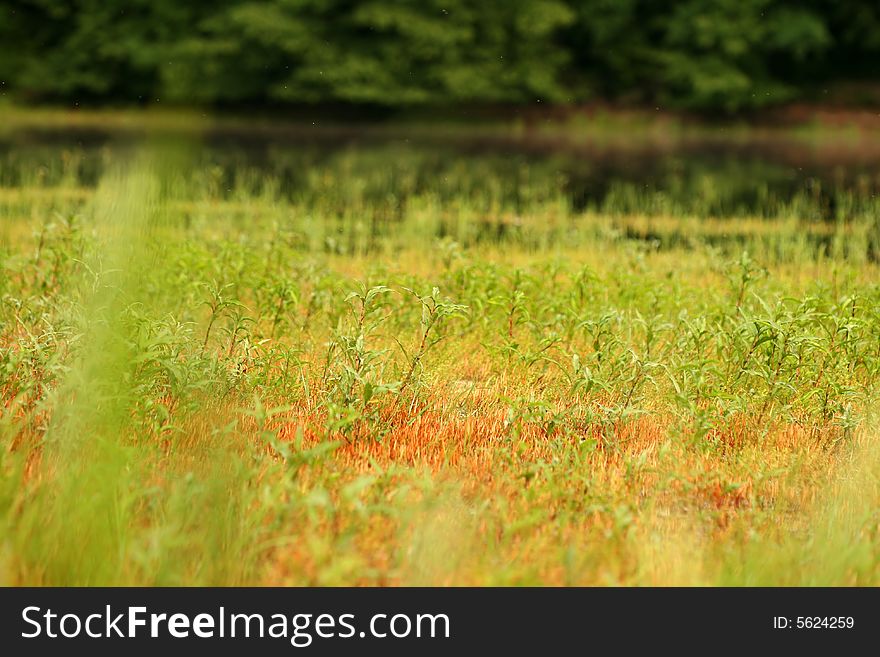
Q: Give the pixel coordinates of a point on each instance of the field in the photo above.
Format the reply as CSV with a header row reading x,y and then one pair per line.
x,y
393,366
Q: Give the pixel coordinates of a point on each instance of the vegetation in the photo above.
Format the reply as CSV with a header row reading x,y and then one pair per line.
x,y
706,54
383,367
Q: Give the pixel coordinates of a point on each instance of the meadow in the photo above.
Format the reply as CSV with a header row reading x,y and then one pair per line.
x,y
384,364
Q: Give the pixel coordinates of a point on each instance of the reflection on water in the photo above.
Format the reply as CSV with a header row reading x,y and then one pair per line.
x,y
703,177
359,191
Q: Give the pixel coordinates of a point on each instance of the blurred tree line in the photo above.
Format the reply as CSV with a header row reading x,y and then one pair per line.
x,y
700,54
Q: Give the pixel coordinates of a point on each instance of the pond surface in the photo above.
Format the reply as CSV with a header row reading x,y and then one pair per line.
x,y
357,168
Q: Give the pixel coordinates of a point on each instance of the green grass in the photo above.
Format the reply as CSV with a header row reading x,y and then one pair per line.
x,y
384,368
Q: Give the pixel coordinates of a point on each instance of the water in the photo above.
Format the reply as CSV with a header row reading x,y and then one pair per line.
x,y
703,177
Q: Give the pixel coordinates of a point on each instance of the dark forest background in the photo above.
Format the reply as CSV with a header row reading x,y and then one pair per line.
x,y
708,55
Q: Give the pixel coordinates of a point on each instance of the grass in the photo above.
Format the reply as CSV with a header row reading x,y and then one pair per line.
x,y
402,375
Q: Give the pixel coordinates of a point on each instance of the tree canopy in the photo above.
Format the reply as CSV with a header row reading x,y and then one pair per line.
x,y
702,54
